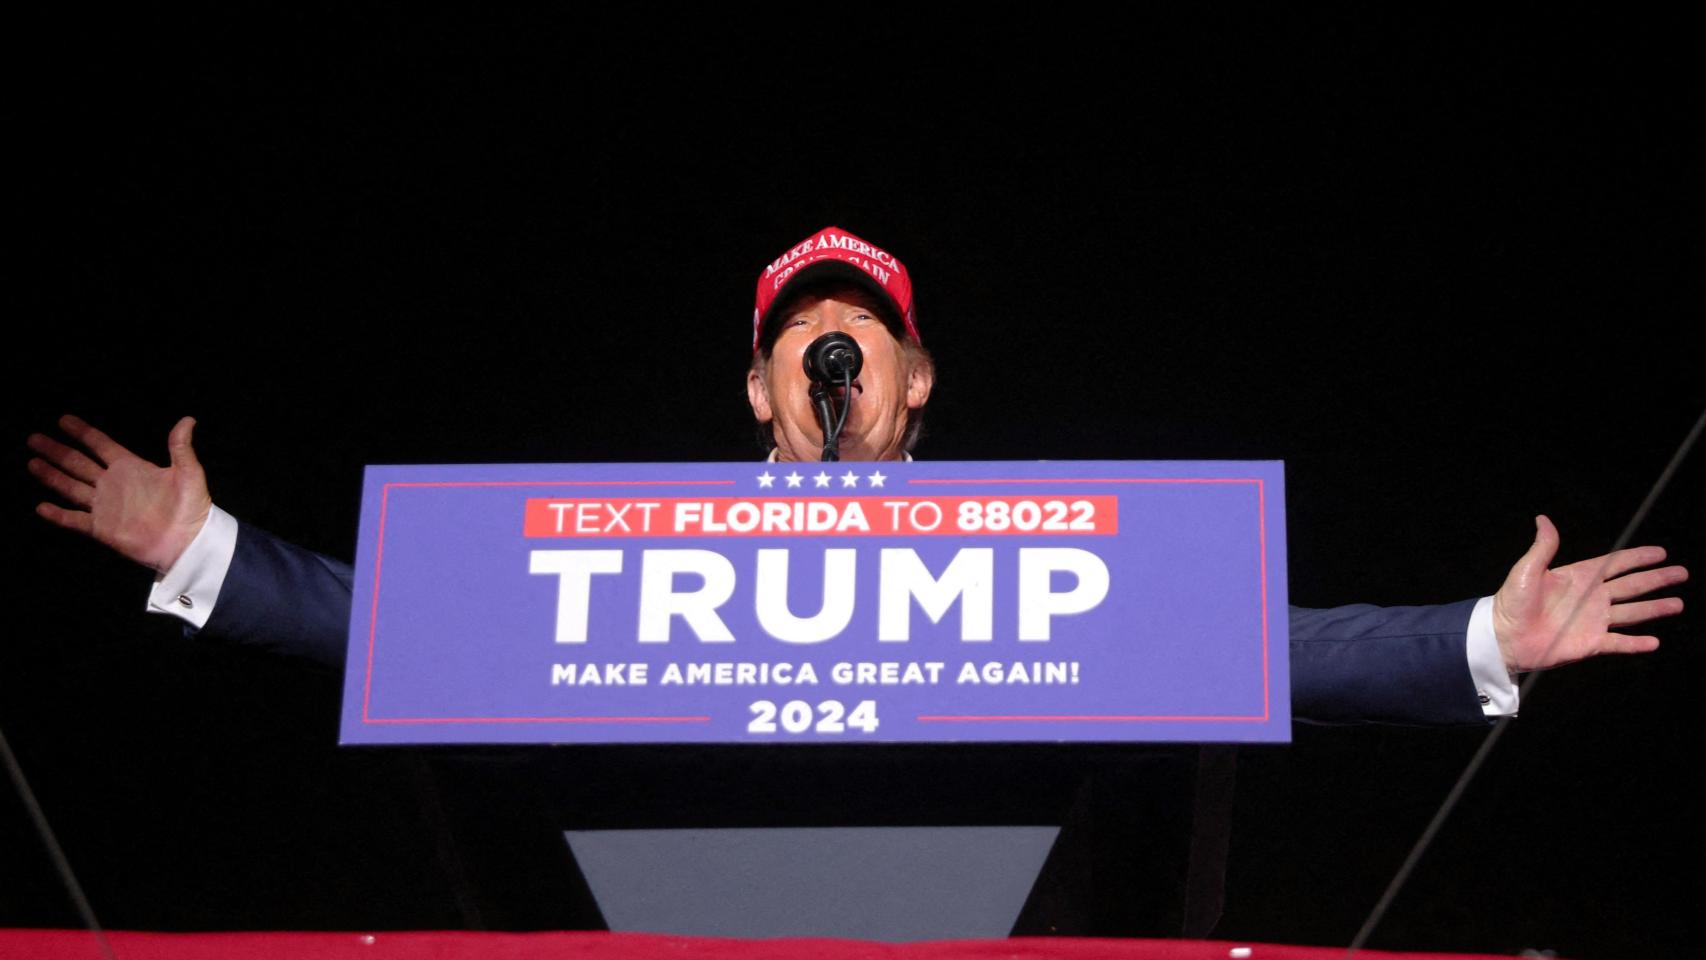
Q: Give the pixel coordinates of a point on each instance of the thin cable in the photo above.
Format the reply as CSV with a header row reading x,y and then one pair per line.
x,y
1492,738
48,840
846,401
833,424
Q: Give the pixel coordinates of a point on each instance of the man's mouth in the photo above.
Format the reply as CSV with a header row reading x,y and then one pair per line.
x,y
840,392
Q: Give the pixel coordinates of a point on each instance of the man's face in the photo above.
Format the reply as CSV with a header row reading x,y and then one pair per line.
x,y
889,385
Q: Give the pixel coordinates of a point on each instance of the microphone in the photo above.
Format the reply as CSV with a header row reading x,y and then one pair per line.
x,y
833,358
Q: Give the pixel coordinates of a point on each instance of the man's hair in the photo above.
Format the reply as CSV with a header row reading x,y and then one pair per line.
x,y
912,354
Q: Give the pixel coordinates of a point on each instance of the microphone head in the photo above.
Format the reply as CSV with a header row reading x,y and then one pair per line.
x,y
833,358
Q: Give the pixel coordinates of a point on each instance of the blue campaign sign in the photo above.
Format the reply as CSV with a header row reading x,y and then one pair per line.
x,y
790,603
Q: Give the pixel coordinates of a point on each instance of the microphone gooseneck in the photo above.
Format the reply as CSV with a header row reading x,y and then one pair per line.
x,y
830,360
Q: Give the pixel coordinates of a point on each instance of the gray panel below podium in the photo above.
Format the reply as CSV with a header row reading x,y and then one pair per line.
x,y
870,883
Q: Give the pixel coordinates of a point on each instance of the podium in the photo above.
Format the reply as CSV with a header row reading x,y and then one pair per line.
x,y
906,701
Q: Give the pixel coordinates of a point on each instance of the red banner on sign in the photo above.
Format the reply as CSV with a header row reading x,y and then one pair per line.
x,y
823,516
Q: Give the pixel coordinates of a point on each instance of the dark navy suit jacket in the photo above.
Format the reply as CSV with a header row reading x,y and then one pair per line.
x,y
1348,664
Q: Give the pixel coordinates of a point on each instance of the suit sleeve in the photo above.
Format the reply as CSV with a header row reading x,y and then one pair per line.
x,y
1366,664
283,599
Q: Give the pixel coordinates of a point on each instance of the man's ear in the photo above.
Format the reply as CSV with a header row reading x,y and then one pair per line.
x,y
758,395
919,380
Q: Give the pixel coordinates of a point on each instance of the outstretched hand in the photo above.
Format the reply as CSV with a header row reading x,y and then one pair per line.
x,y
146,512
1545,618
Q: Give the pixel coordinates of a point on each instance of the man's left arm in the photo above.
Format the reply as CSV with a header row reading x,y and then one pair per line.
x,y
1457,663
1368,664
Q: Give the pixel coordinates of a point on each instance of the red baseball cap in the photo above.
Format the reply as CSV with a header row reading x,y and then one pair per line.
x,y
833,252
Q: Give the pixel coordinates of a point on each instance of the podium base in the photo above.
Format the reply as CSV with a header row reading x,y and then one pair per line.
x,y
868,883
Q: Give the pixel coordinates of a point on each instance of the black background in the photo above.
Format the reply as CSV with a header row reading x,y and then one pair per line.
x,y
1446,269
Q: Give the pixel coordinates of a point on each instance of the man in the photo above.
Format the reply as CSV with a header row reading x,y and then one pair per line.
x,y
1438,664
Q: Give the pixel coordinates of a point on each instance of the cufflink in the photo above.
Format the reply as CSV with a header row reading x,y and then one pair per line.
x,y
185,601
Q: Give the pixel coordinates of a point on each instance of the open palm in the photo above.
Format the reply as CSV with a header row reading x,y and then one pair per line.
x,y
1548,617
144,511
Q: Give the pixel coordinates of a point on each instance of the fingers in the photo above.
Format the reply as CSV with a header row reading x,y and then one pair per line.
x,y
1636,584
178,445
1546,536
76,491
104,446
74,462
69,519
1619,643
1623,614
1533,564
1623,561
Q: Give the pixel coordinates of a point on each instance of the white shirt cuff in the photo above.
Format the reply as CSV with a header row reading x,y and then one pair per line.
x,y
190,588
1493,683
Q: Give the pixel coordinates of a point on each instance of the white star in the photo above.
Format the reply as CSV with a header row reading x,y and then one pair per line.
x,y
794,478
876,478
850,479
822,479
766,480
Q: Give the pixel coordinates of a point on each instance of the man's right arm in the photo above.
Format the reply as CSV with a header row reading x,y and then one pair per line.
x,y
283,599
237,582
225,578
